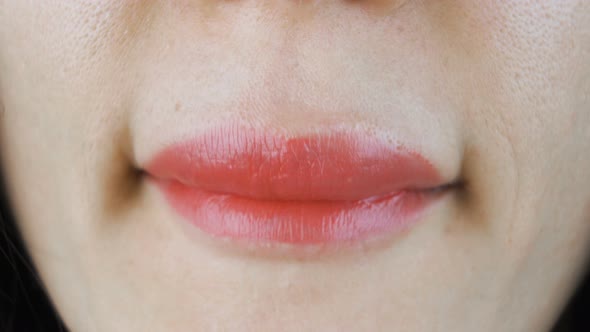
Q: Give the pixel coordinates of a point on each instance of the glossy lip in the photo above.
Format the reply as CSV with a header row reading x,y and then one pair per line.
x,y
260,187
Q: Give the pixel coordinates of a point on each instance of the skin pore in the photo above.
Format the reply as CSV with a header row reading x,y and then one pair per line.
x,y
495,92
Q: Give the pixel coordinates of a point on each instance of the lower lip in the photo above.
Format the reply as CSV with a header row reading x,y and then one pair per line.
x,y
219,197
296,222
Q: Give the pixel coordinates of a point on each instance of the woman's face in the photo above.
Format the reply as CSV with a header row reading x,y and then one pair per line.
x,y
495,94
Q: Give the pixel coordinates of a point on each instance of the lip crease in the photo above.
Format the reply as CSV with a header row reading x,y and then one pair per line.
x,y
260,187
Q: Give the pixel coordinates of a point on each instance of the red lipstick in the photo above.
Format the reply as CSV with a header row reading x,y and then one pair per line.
x,y
257,186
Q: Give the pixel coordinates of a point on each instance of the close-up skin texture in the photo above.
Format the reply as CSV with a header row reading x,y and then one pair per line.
x,y
494,95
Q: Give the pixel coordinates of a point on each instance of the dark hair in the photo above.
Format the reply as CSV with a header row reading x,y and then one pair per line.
x,y
25,306
576,316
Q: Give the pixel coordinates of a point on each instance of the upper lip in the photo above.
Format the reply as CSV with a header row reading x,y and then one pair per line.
x,y
336,166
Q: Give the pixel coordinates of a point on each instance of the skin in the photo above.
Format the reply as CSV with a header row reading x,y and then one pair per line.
x,y
495,92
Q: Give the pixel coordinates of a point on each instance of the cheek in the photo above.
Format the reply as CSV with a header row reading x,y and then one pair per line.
x,y
527,114
61,70
76,35
534,59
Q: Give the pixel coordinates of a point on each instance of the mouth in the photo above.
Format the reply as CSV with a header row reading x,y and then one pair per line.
x,y
266,188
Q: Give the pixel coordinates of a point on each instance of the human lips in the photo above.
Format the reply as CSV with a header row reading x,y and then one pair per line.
x,y
259,186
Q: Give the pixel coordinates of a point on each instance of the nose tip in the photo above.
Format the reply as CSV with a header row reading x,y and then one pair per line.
x,y
378,6
298,11
302,10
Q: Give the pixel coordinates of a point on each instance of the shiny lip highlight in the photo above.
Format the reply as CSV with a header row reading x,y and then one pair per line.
x,y
255,186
